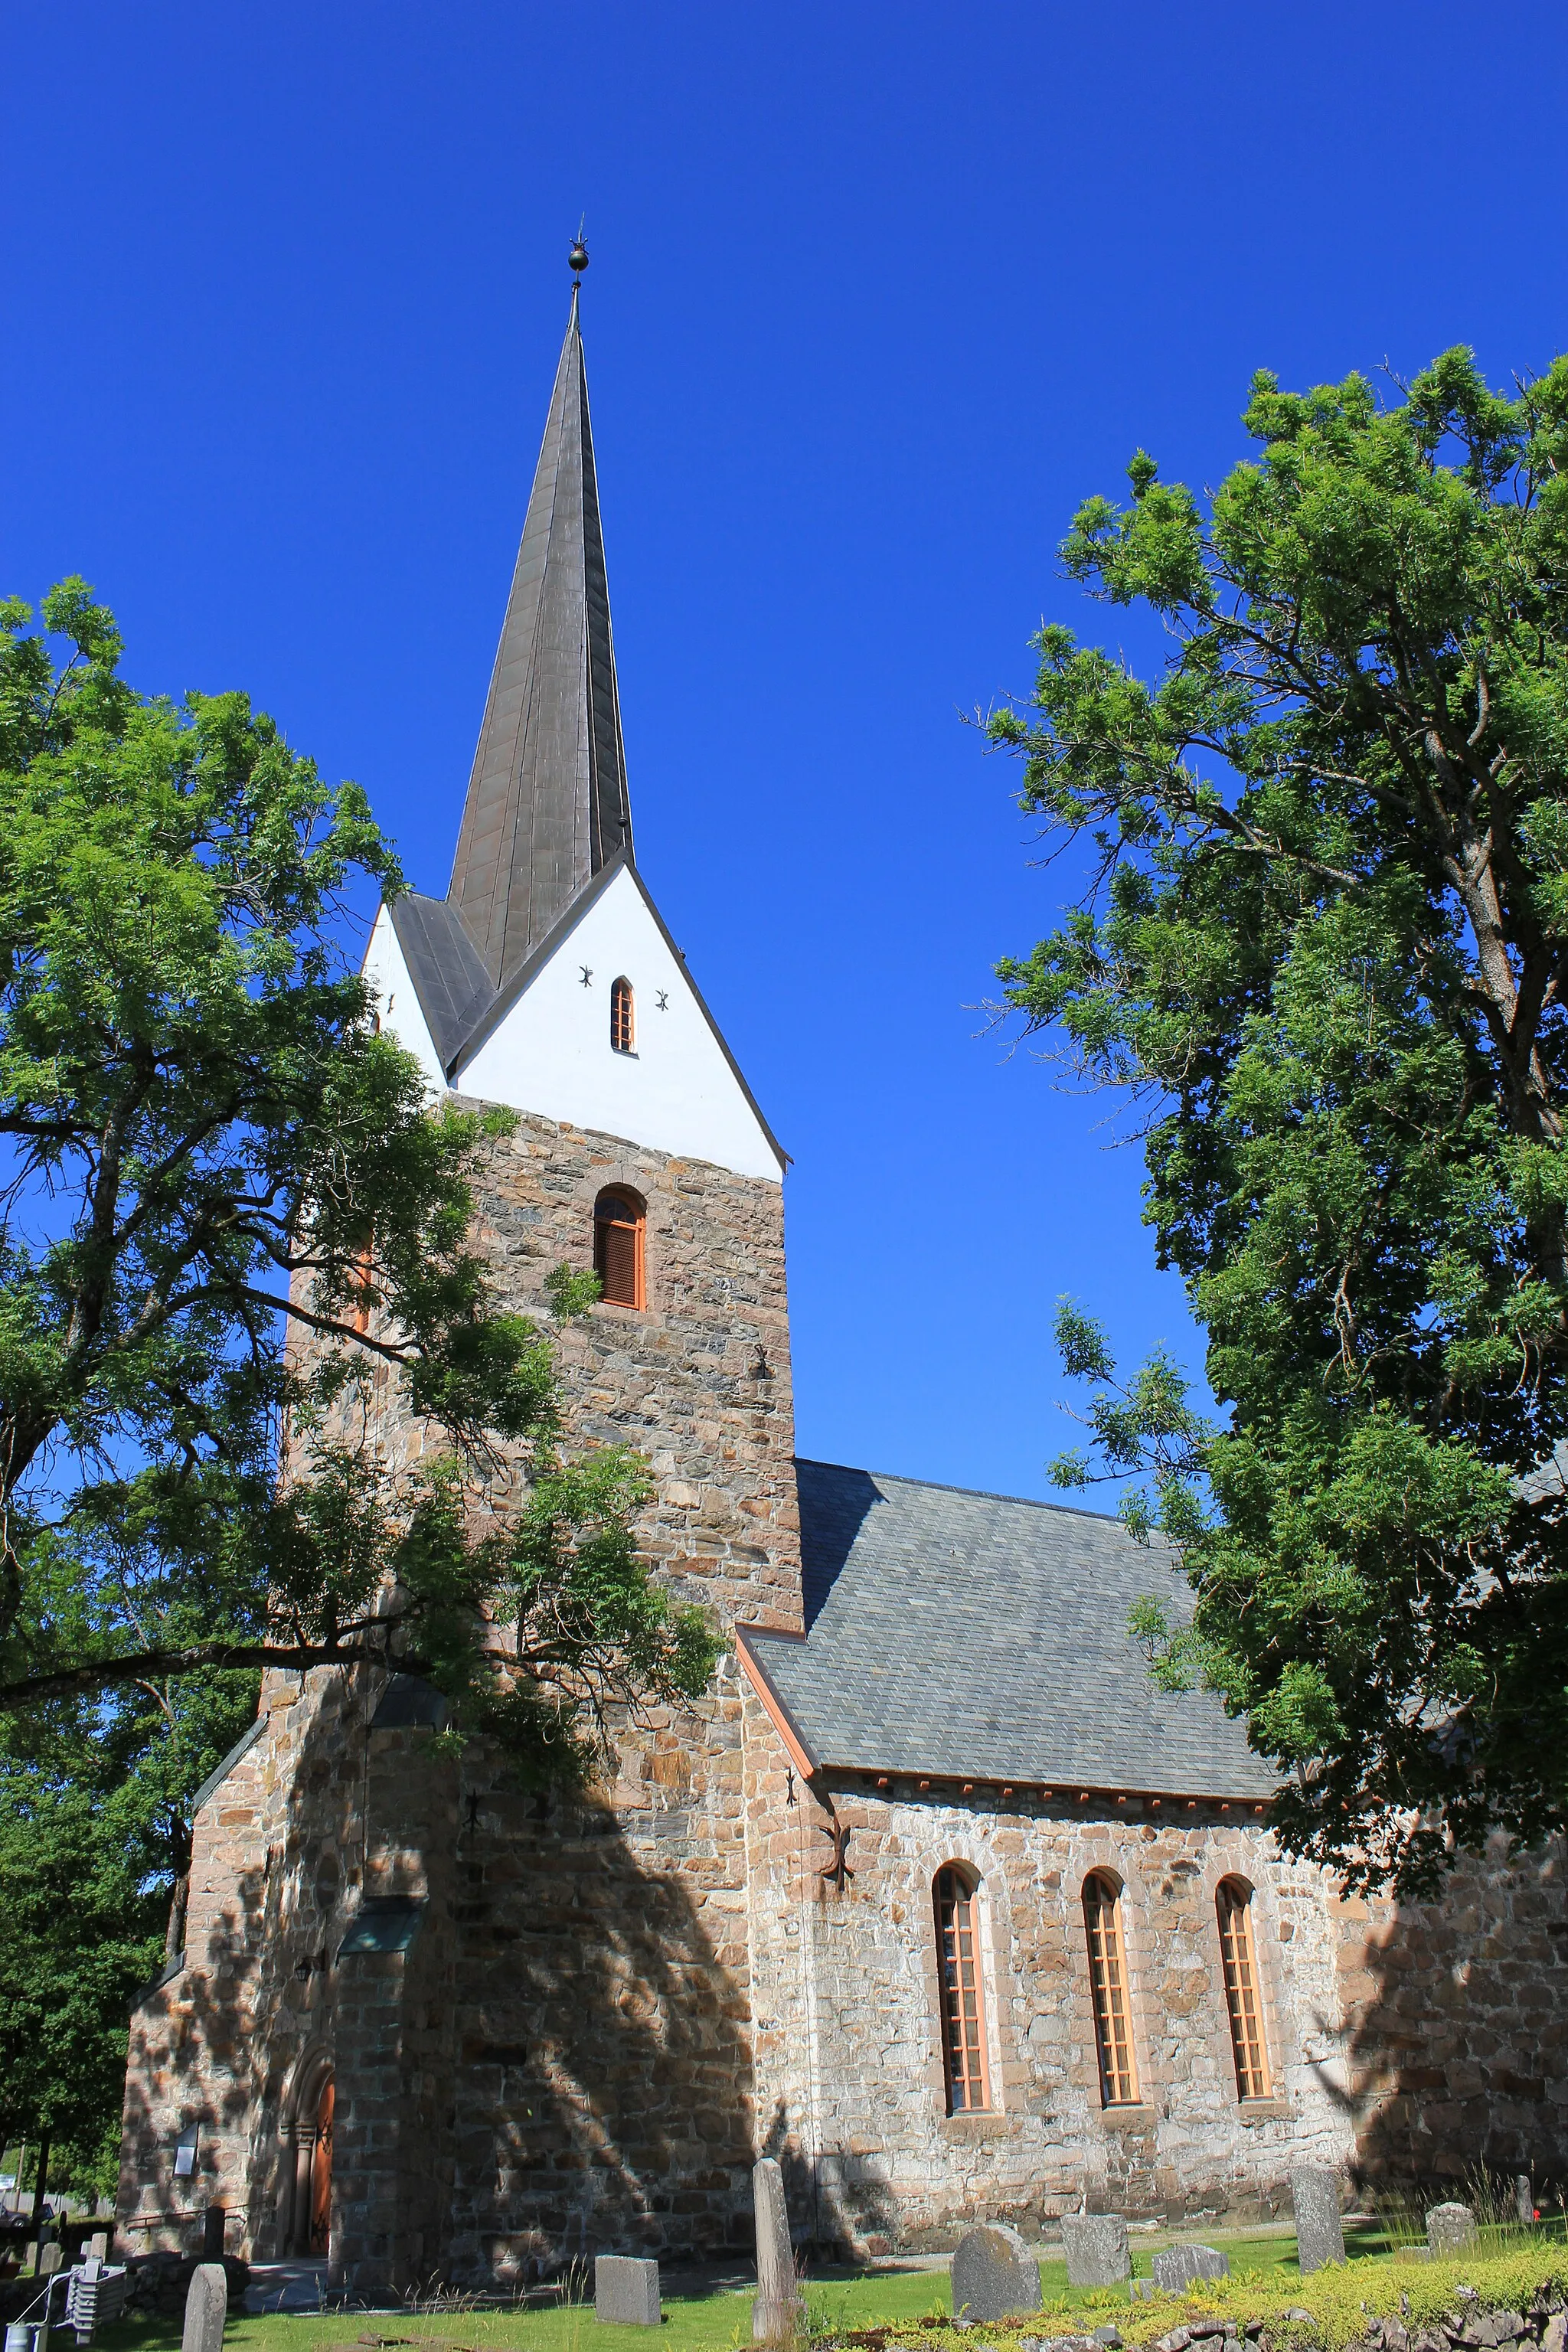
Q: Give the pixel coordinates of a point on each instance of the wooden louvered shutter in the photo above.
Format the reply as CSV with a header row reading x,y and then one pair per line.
x,y
618,1263
618,1249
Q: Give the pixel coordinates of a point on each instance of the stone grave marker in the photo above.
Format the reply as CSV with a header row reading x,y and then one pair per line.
x,y
1524,2196
1096,2248
98,2244
780,2308
994,2273
1176,2267
206,2308
1451,2230
625,2291
1320,2234
51,2256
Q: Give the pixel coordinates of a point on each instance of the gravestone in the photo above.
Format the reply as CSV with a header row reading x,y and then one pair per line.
x,y
206,2308
625,2291
1524,2196
51,2256
1177,2267
1096,2248
780,2308
1451,2230
994,2273
98,2245
1320,2234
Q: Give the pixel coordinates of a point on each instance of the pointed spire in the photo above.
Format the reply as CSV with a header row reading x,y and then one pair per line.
x,y
547,804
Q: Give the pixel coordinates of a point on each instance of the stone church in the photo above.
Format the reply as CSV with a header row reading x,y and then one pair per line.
x,y
933,1897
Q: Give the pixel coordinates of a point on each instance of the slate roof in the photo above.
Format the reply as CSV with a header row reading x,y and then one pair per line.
x,y
454,988
972,1635
547,804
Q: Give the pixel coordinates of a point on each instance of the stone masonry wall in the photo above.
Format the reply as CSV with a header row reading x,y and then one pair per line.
x,y
278,1860
849,2063
614,2002
1456,2023
561,2060
700,1381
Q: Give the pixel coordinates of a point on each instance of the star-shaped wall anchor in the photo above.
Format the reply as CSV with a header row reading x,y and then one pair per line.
x,y
663,1002
838,1870
587,975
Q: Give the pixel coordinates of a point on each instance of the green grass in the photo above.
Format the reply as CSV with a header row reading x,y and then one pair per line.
x,y
1265,2282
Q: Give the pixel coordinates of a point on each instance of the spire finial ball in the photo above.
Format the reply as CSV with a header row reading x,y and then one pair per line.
x,y
578,257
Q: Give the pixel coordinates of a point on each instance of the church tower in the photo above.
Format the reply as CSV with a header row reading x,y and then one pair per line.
x,y
424,2024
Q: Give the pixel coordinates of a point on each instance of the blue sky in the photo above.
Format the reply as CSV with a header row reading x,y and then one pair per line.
x,y
877,294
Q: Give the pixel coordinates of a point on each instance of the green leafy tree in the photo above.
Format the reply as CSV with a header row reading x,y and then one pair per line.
x,y
1323,946
234,1246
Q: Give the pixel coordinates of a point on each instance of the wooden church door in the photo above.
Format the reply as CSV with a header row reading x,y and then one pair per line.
x,y
321,2173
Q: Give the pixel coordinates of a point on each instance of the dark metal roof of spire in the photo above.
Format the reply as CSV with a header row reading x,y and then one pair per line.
x,y
547,806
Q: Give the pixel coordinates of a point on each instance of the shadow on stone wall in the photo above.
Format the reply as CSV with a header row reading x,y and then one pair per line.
x,y
259,1986
603,2091
567,2043
837,2205
197,2069
1458,2041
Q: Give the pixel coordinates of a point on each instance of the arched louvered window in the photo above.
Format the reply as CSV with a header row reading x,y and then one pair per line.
x,y
623,1028
618,1247
1243,2003
1108,1990
959,1989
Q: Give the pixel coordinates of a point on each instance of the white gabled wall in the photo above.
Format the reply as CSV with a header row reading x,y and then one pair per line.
x,y
398,999
551,1053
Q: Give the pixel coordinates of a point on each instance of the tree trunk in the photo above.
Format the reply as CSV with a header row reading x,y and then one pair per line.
x,y
40,2184
174,1937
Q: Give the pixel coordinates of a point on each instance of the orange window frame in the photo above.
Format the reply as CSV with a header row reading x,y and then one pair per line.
x,y
1107,1991
623,1017
1243,1994
616,1212
364,1287
960,1994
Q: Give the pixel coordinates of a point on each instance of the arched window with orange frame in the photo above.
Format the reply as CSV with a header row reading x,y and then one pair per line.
x,y
619,1223
623,1017
1243,1996
961,1998
1108,1990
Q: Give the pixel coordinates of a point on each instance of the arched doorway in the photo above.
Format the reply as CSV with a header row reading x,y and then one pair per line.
x,y
305,2175
321,2173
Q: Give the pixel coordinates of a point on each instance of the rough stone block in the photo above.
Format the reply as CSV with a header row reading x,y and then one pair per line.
x,y
1320,2234
994,2274
1451,2230
625,2291
206,2308
1177,2267
780,2307
1096,2248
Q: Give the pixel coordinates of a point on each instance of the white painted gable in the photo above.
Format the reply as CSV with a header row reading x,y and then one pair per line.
x,y
550,1053
398,1000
